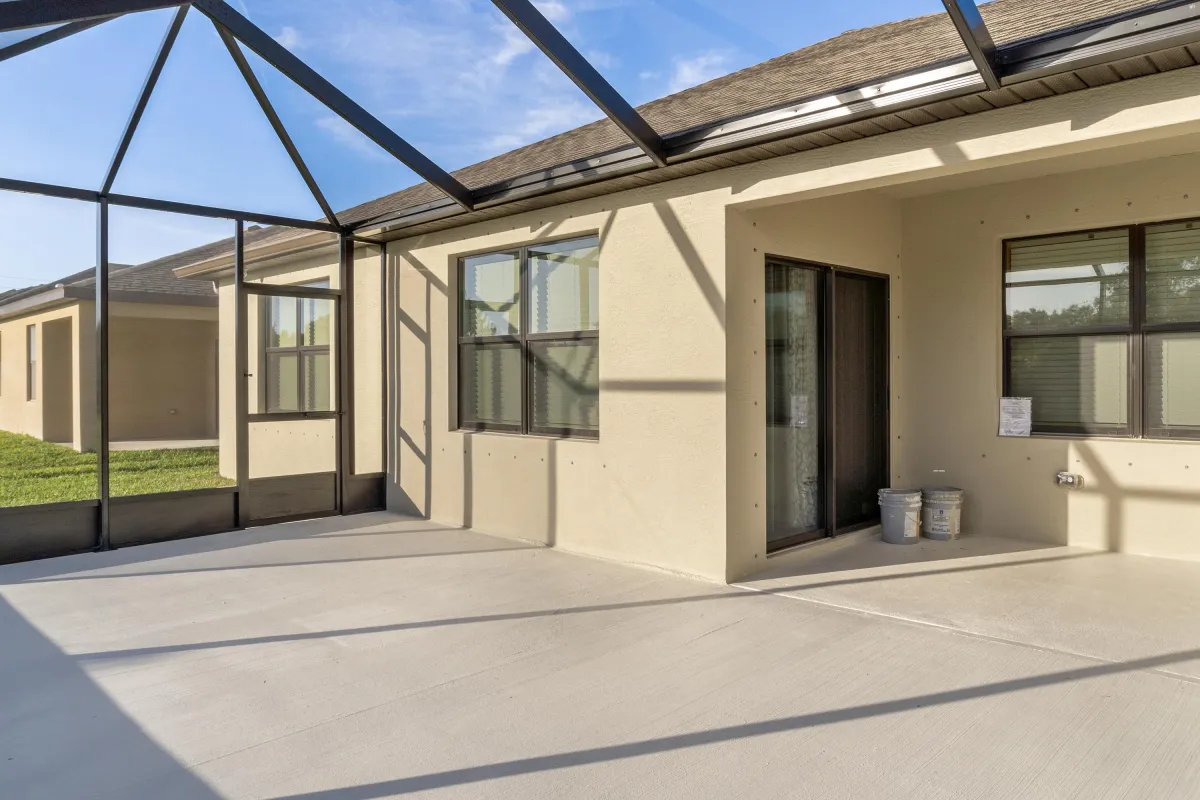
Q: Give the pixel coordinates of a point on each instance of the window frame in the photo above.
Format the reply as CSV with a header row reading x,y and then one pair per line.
x,y
265,351
1137,332
522,340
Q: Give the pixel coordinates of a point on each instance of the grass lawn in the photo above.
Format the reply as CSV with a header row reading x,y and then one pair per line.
x,y
33,471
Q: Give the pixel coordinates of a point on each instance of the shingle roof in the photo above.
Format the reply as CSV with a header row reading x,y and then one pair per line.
x,y
153,277
254,235
853,58
13,295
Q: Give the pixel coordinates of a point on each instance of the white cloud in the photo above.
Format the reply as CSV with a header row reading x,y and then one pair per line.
x,y
345,134
601,59
455,77
289,37
691,72
554,10
542,121
513,45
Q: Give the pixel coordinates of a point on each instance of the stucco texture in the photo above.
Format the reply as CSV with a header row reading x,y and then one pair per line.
x,y
63,408
651,489
1138,496
676,480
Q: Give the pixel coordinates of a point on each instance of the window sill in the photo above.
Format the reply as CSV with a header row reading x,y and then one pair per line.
x,y
1102,437
518,435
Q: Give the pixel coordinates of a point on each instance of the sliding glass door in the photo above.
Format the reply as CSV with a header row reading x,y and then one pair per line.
x,y
795,404
827,396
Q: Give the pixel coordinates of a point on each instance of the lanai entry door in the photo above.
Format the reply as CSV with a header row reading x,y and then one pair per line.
x,y
827,400
294,424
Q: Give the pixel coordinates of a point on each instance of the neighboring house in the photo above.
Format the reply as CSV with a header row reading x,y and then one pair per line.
x,y
162,356
854,253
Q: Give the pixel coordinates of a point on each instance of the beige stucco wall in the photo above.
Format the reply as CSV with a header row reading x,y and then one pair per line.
x,y
1139,496
59,383
651,489
368,343
673,480
57,368
162,377
161,357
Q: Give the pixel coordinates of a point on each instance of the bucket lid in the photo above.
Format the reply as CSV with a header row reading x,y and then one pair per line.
x,y
899,496
943,492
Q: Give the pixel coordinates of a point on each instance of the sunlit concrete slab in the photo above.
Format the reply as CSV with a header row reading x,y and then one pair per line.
x,y
374,657
1089,602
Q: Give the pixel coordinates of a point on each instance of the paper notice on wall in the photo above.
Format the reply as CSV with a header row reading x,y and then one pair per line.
x,y
1016,416
799,411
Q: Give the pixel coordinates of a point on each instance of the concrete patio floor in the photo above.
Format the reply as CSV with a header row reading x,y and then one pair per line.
x,y
375,656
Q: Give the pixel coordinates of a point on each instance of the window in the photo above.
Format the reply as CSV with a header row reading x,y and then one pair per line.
x,y
295,353
529,340
31,362
1087,313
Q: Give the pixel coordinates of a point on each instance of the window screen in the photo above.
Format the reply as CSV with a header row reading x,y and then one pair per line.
x,y
1087,313
1068,282
529,340
296,354
1067,316
1173,273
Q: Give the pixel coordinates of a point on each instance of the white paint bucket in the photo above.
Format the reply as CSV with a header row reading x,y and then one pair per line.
x,y
941,514
900,511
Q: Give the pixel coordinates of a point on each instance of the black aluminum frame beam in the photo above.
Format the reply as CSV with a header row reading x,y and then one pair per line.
x,y
102,373
333,98
49,190
977,38
135,118
264,102
47,37
233,28
172,207
17,14
169,206
542,33
241,371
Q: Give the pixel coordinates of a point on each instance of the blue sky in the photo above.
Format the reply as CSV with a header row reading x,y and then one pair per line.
x,y
454,77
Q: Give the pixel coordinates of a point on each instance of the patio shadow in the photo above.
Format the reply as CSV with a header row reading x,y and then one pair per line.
x,y
61,736
666,744
755,595
374,524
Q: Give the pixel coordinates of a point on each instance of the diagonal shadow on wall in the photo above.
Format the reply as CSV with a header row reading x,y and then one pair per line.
x,y
691,257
